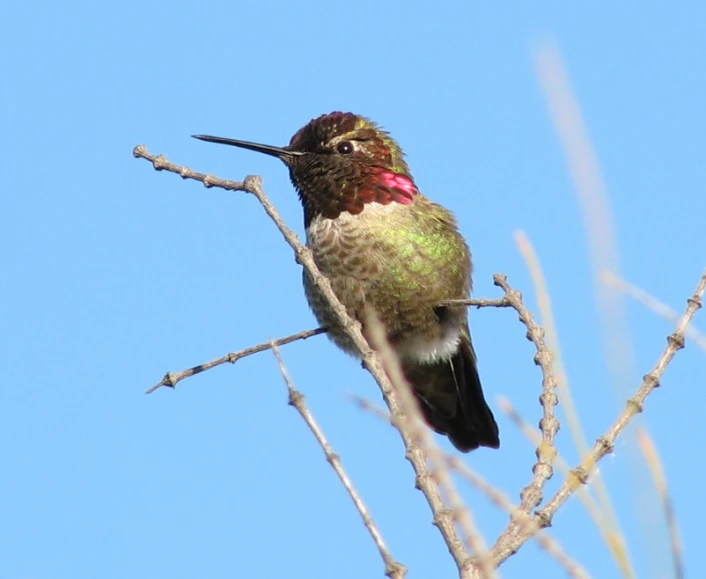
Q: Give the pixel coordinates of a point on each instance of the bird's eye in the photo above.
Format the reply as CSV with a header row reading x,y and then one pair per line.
x,y
344,148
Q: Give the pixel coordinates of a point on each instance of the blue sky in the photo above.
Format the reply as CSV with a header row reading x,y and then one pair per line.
x,y
113,273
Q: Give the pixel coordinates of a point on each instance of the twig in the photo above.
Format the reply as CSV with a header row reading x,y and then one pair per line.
x,y
592,194
532,494
482,566
496,496
171,379
605,444
393,569
655,464
535,437
371,361
501,500
605,517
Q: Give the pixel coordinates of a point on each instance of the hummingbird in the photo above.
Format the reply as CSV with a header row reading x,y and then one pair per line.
x,y
384,245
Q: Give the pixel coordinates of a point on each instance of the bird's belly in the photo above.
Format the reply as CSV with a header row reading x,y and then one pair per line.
x,y
362,279
350,292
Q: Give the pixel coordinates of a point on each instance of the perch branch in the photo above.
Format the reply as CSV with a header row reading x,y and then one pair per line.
x,y
532,494
550,545
372,362
480,566
607,521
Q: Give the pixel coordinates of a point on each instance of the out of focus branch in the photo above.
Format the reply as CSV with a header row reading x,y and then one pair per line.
x,y
657,470
393,569
652,303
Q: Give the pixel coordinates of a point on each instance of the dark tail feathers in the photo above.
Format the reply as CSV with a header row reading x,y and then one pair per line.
x,y
452,401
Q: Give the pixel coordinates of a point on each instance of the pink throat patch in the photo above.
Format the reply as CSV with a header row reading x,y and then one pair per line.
x,y
403,186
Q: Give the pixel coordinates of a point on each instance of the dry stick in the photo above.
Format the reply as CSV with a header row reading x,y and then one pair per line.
x,y
534,437
500,499
652,303
425,483
655,464
547,317
606,521
393,569
532,494
422,436
508,545
171,379
496,496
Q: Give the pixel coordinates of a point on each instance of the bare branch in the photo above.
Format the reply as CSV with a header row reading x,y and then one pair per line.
x,y
605,518
371,360
509,543
393,569
171,379
482,566
500,499
496,496
599,223
532,494
635,405
594,510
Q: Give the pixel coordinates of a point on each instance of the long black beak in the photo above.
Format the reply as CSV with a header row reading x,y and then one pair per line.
x,y
278,152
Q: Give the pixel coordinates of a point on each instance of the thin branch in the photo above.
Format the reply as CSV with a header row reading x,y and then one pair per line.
x,y
552,337
509,544
550,545
482,566
496,496
370,359
531,496
655,464
171,379
393,569
606,520
594,510
605,444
